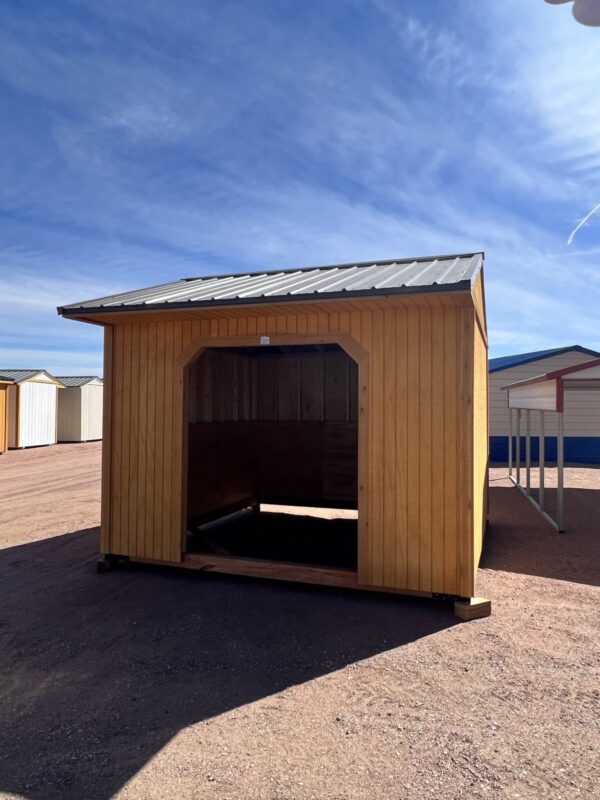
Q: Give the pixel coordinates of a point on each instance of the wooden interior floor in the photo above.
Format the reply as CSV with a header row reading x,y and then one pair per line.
x,y
289,537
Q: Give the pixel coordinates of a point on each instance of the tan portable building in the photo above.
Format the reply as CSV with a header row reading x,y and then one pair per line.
x,y
80,409
32,407
356,386
582,412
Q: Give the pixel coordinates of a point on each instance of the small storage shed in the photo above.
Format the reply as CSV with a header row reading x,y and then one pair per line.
x,y
4,384
32,407
80,408
359,386
582,412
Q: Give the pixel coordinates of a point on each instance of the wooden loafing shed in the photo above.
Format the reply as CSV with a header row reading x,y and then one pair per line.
x,y
354,386
32,407
80,409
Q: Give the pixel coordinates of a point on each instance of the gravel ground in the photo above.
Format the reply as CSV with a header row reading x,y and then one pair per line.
x,y
153,683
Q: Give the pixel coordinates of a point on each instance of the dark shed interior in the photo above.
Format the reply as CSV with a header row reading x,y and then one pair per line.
x,y
275,425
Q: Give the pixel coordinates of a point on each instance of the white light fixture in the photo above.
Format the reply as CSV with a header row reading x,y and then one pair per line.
x,y
587,12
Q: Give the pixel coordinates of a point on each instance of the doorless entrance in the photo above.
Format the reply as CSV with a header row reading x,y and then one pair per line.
x,y
274,424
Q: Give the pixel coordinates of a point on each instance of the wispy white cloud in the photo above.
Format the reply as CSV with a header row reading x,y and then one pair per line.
x,y
147,146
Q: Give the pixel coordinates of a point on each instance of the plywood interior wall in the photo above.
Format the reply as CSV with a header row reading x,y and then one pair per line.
x,y
416,406
272,426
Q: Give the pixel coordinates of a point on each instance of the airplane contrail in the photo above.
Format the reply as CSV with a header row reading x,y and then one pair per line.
x,y
583,221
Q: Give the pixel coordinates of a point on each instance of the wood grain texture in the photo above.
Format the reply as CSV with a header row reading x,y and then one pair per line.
x,y
417,394
3,417
480,446
107,441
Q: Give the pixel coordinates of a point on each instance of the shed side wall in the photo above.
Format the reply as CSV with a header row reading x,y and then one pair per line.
x,y
13,413
69,414
419,436
37,413
3,417
91,411
480,446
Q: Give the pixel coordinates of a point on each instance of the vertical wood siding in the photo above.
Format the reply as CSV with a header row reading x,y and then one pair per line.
x,y
417,503
481,447
3,417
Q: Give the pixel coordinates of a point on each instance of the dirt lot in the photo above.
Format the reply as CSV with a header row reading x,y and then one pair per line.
x,y
150,683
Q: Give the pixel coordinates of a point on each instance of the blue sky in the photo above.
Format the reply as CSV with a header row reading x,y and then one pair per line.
x,y
147,141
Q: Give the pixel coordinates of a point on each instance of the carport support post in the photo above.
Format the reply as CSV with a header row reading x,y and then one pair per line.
x,y
542,460
528,450
510,441
518,443
560,464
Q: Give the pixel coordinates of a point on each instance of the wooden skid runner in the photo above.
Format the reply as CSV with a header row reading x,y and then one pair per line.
x,y
276,570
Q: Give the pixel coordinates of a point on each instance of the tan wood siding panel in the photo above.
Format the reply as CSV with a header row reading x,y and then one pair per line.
x,y
466,577
3,418
480,446
478,294
416,403
438,424
107,441
449,451
142,414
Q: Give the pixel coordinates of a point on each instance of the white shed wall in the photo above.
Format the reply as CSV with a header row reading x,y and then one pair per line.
x,y
537,396
91,411
80,413
582,408
37,413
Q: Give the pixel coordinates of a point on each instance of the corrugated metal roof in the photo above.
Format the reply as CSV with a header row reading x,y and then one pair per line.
x,y
399,276
506,362
77,380
20,375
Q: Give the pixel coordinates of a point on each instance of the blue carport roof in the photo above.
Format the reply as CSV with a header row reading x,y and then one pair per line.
x,y
506,362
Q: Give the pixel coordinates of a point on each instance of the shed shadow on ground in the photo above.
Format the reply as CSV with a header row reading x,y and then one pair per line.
x,y
518,539
101,671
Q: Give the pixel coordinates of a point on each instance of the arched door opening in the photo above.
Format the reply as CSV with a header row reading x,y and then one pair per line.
x,y
274,430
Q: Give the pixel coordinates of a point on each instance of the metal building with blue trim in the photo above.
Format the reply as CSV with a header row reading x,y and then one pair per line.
x,y
582,409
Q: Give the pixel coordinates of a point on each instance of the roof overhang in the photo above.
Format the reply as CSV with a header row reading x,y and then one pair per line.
x,y
314,297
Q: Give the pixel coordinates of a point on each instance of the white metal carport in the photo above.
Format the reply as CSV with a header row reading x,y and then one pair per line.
x,y
545,393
